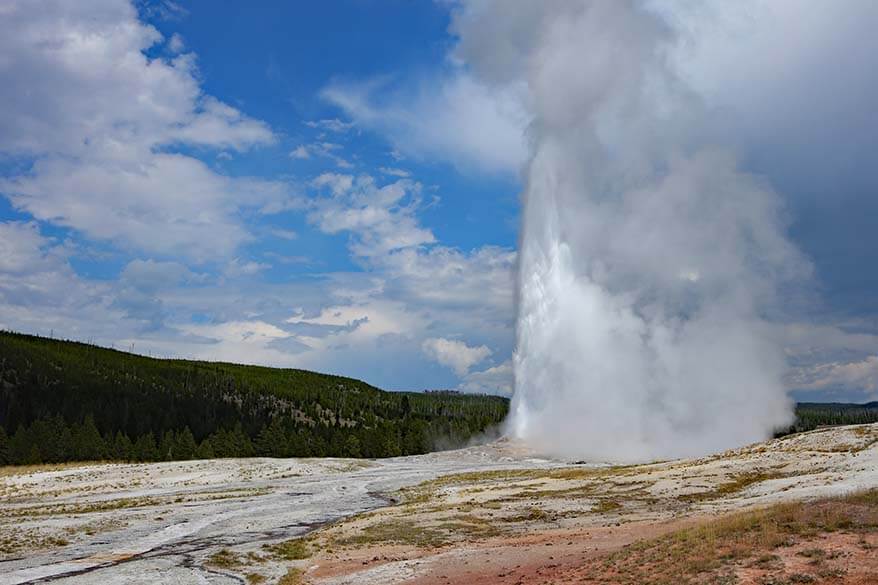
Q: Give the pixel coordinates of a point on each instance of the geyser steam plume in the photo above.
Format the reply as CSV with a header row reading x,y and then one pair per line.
x,y
648,260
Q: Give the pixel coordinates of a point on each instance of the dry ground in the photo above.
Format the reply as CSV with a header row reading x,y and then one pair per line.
x,y
777,513
671,522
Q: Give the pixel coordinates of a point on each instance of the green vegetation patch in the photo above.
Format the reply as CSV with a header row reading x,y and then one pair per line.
x,y
225,559
421,535
292,577
737,483
291,550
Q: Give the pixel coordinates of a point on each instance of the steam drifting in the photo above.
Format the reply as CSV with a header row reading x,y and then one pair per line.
x,y
648,259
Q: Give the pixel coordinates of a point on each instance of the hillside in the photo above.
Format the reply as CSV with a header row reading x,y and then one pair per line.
x,y
811,415
64,400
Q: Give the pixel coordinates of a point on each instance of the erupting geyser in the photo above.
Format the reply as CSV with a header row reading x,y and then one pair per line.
x,y
648,259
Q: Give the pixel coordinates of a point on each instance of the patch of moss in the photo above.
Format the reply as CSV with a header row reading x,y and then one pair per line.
x,y
225,559
291,550
293,577
606,506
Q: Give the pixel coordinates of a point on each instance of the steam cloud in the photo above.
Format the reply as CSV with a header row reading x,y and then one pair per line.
x,y
648,259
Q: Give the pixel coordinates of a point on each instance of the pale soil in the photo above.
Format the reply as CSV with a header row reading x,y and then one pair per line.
x,y
542,526
496,514
162,522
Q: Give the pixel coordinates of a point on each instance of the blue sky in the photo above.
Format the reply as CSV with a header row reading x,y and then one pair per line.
x,y
325,185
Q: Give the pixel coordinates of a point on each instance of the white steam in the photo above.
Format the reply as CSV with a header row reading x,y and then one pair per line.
x,y
648,260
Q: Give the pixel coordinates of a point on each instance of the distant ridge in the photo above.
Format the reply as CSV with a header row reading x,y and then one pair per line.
x,y
810,415
68,400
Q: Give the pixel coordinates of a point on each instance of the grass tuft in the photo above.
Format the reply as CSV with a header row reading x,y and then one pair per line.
x,y
293,577
710,551
291,550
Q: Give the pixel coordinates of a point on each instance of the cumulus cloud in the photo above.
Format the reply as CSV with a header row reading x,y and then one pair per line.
x,y
382,218
388,238
153,275
457,118
102,161
40,292
861,376
22,247
176,43
454,353
170,204
494,380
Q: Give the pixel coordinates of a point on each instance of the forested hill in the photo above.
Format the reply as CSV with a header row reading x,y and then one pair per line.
x,y
810,415
64,400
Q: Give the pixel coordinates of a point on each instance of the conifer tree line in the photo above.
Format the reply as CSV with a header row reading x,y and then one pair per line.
x,y
68,401
810,415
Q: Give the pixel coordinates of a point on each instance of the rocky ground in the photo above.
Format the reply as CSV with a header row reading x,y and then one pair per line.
x,y
771,513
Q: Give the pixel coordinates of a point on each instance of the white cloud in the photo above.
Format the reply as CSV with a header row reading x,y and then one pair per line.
x,y
153,275
454,353
451,290
333,125
236,268
176,43
94,51
360,323
250,341
382,218
284,234
480,281
859,376
323,149
300,152
394,172
455,118
39,292
98,116
219,125
21,247
493,380
170,204
337,183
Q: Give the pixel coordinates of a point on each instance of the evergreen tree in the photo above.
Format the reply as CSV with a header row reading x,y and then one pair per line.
x,y
20,452
205,450
4,447
145,448
184,445
54,439
352,446
272,440
88,444
166,447
242,446
123,448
